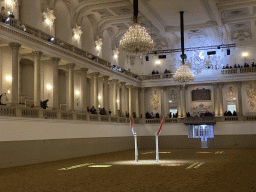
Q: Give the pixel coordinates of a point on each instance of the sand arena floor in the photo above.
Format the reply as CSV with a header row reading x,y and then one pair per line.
x,y
178,170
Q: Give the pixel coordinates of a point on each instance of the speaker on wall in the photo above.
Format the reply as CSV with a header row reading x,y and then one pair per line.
x,y
161,56
228,52
147,59
211,53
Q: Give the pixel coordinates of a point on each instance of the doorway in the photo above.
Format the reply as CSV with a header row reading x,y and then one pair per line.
x,y
204,132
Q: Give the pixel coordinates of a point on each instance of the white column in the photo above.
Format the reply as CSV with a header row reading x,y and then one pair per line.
x,y
136,93
215,88
142,101
220,100
114,82
84,88
105,93
184,101
15,66
240,105
71,67
130,99
95,90
55,87
179,101
37,79
122,102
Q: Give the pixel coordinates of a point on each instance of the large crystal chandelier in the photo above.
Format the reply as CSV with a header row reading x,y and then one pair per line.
x,y
183,74
136,40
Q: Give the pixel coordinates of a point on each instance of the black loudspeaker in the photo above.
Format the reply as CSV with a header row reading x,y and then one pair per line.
x,y
147,59
161,56
228,52
211,53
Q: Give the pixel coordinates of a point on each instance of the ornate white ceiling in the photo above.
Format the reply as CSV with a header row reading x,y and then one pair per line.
x,y
219,21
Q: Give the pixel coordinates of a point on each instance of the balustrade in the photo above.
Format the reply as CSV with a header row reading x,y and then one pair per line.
x,y
33,113
67,115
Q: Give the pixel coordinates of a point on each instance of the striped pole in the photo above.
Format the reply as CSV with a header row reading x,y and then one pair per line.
x,y
136,147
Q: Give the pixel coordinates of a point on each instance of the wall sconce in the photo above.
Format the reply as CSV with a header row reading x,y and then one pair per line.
x,y
8,91
9,2
117,101
9,78
77,93
77,32
99,43
49,17
158,62
245,54
115,52
99,97
49,87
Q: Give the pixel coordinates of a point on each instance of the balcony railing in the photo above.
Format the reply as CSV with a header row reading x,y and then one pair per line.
x,y
58,114
239,70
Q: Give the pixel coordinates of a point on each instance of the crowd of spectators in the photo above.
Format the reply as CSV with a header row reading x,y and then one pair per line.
x,y
155,72
239,66
229,113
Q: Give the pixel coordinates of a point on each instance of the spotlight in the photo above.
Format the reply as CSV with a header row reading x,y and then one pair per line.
x,y
51,39
77,93
8,19
115,56
98,47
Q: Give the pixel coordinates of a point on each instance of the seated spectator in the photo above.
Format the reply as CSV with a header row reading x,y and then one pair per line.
x,y
168,71
253,64
153,72
109,112
238,66
127,114
225,113
157,72
103,111
188,114
230,67
157,115
235,66
165,71
148,116
170,115
245,65
223,67
93,110
234,113
134,115
229,113
44,104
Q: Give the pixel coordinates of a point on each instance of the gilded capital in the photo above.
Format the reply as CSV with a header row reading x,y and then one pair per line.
x,y
15,46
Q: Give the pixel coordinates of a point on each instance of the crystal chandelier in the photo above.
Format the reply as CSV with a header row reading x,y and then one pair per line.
x,y
183,74
136,40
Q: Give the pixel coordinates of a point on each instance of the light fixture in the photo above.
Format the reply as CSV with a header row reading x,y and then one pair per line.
x,y
9,2
77,32
76,36
117,101
99,97
115,52
48,87
245,54
183,74
136,40
8,78
99,43
77,93
8,91
158,62
47,21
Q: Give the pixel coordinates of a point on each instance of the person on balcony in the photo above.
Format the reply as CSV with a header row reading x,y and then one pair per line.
x,y
44,104
3,99
170,115
157,115
3,14
153,72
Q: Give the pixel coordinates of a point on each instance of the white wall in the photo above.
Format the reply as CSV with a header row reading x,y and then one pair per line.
x,y
235,128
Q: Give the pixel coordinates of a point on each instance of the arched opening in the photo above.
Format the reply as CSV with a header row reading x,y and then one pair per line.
x,y
63,29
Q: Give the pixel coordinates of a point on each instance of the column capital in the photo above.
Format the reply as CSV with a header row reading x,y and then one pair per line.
x,y
105,77
129,86
114,81
122,83
15,46
37,54
55,59
84,70
95,74
71,65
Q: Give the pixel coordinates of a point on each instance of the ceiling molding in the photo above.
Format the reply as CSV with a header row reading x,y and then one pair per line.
x,y
237,4
190,27
235,20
